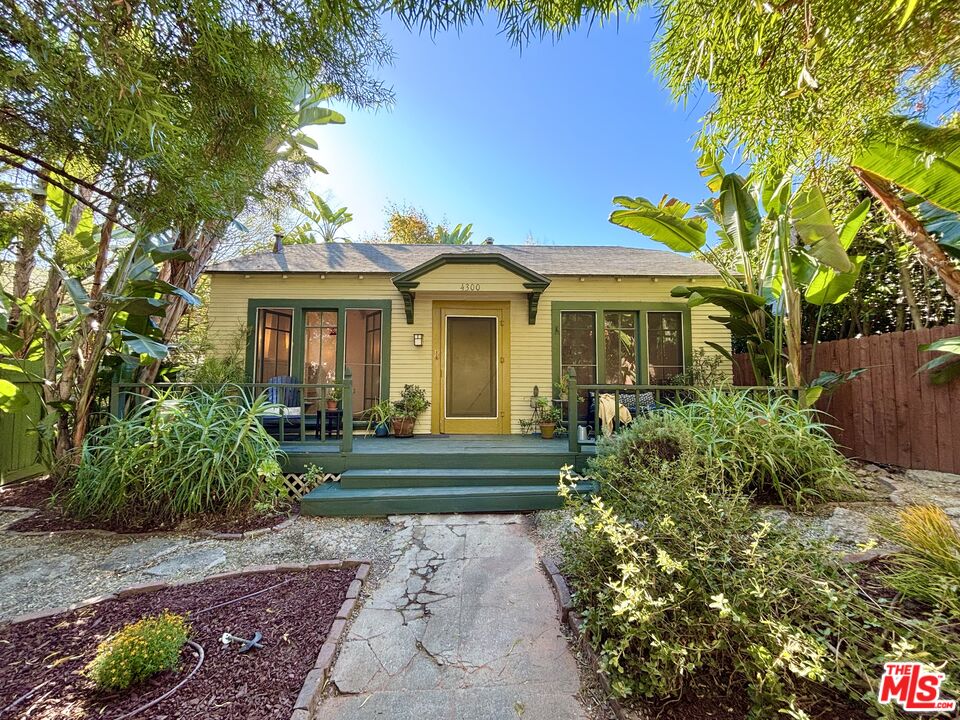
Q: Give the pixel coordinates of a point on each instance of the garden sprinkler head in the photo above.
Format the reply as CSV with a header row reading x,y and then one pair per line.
x,y
245,644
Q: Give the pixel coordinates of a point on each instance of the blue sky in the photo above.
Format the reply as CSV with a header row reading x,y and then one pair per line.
x,y
533,142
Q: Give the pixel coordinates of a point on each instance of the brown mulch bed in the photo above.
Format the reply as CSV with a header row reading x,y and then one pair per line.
x,y
45,657
29,494
48,518
725,703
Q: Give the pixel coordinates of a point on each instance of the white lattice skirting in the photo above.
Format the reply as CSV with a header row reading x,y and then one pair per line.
x,y
298,484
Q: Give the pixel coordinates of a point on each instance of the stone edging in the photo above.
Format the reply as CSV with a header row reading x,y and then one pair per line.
x,y
316,680
580,634
97,532
313,684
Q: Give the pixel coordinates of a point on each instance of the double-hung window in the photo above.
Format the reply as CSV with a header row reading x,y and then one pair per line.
x,y
314,345
622,346
578,344
274,342
664,347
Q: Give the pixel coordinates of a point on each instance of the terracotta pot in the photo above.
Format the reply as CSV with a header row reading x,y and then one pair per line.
x,y
547,430
331,404
403,426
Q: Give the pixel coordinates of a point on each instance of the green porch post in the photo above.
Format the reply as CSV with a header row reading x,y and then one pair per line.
x,y
346,408
572,412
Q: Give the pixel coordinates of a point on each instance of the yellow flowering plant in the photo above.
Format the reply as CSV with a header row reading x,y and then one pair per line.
x,y
138,651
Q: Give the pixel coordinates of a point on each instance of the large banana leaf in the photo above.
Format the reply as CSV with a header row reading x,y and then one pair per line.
x,y
812,221
710,165
943,368
736,302
922,159
775,192
943,225
665,222
829,286
739,214
138,344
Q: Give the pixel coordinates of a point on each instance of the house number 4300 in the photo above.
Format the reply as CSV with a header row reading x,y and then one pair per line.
x,y
473,287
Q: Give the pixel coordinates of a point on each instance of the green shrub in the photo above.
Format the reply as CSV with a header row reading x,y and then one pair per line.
x,y
770,446
927,567
138,651
215,372
682,584
177,456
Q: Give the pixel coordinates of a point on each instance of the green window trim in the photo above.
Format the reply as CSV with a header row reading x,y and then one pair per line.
x,y
598,308
300,307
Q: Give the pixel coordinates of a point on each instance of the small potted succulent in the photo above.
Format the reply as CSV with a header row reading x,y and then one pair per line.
x,y
379,417
334,397
547,417
413,401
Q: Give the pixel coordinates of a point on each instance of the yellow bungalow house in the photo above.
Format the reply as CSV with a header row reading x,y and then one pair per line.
x,y
482,329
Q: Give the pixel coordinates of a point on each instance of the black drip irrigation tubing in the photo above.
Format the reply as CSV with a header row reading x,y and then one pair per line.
x,y
200,655
199,649
242,597
196,646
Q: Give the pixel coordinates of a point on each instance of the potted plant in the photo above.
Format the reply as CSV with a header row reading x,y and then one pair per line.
x,y
412,402
334,397
562,386
379,417
547,417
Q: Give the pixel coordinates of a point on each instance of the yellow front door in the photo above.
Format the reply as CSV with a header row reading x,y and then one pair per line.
x,y
470,368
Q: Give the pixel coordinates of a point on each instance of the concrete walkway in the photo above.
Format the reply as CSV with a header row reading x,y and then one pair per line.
x,y
463,627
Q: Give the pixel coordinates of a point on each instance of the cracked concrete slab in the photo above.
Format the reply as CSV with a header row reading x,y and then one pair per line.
x,y
463,626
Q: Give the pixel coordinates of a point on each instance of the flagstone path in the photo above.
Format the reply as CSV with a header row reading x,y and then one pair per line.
x,y
463,627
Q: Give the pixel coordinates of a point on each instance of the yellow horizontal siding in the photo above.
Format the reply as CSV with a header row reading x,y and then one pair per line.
x,y
531,345
479,278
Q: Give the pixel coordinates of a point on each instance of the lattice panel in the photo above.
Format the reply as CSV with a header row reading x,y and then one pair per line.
x,y
298,485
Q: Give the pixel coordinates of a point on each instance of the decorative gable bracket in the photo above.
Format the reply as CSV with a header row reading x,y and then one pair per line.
x,y
408,295
406,283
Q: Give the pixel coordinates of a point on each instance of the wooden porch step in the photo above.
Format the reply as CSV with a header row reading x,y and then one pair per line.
x,y
335,499
447,477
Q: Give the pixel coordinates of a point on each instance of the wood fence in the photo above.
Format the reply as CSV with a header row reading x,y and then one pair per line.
x,y
19,441
889,414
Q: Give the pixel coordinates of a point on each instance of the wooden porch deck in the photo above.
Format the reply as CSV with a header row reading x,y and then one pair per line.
x,y
437,473
439,444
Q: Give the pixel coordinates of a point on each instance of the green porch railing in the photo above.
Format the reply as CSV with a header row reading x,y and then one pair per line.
x,y
292,403
663,395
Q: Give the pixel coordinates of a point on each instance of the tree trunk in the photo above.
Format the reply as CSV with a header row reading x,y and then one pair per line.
x,y
931,254
909,296
26,260
184,274
89,352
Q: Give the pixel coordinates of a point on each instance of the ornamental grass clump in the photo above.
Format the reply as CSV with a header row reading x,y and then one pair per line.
x,y
683,586
927,566
139,651
177,456
767,444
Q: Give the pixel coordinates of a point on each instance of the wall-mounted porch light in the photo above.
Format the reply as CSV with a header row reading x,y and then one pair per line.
x,y
418,339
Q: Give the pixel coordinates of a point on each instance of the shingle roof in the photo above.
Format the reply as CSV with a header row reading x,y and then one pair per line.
x,y
394,258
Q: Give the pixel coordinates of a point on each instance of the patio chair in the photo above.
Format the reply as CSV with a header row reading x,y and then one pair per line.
x,y
628,400
287,397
